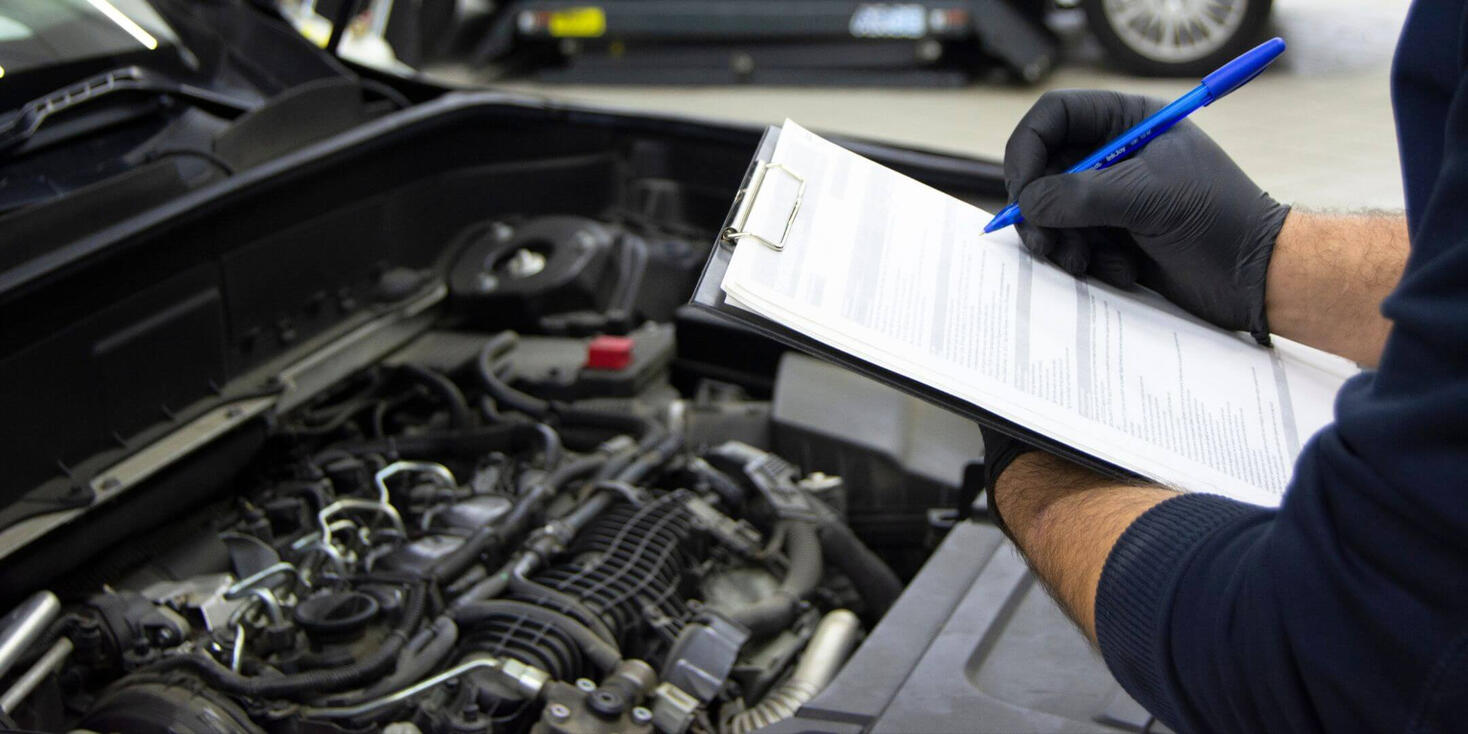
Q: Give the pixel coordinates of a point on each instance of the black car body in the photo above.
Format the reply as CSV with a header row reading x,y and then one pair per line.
x,y
327,435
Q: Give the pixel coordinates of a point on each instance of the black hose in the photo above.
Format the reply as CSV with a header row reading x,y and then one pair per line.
x,y
647,432
482,540
455,562
486,588
630,467
581,467
553,449
516,521
731,495
459,415
776,612
473,443
803,548
588,510
490,586
505,396
616,462
302,685
874,580
422,654
604,654
651,459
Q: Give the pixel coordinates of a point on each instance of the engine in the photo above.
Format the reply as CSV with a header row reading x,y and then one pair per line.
x,y
454,540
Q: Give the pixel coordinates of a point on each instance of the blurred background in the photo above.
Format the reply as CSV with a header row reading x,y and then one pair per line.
x,y
952,75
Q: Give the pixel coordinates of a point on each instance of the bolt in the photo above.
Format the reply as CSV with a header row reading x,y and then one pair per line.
x,y
640,715
233,413
742,64
111,483
585,684
558,711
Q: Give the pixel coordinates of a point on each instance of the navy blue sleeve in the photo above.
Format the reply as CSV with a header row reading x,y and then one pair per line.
x,y
1346,609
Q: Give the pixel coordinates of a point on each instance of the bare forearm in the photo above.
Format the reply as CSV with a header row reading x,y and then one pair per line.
x,y
1328,276
1066,519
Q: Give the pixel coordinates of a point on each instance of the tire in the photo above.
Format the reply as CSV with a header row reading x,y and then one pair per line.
x,y
1215,31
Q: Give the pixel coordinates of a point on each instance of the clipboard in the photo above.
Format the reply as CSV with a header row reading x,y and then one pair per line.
x,y
708,296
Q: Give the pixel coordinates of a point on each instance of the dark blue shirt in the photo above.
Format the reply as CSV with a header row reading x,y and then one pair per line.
x,y
1346,609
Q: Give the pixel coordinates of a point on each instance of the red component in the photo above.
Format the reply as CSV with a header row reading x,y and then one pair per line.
x,y
609,353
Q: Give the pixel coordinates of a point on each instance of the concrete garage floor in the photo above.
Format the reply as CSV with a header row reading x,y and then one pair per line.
x,y
1316,131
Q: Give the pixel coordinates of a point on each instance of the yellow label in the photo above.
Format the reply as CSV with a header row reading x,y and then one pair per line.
x,y
578,23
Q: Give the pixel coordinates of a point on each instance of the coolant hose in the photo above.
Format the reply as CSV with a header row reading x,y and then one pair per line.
x,y
874,580
418,658
457,561
665,449
824,655
647,432
504,395
309,683
515,521
459,415
803,548
731,495
601,652
776,612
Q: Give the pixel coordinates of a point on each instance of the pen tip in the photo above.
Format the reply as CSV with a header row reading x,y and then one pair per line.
x,y
992,225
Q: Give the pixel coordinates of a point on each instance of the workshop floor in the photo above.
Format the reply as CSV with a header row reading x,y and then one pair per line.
x,y
1316,132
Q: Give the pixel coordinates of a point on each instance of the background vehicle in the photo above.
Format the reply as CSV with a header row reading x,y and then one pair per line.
x,y
806,42
1175,37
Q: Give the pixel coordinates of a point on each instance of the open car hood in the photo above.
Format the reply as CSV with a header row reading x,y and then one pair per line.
x,y
397,419
103,114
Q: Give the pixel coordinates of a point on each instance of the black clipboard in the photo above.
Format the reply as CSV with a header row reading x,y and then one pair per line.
x,y
708,296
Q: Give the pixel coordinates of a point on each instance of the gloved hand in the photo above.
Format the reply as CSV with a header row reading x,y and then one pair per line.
x,y
1178,216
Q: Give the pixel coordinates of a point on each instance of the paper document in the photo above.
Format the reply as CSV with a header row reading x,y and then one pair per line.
x,y
899,274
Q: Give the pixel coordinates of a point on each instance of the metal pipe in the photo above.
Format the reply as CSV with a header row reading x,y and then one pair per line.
x,y
527,680
24,625
437,471
237,652
28,681
237,588
265,598
824,655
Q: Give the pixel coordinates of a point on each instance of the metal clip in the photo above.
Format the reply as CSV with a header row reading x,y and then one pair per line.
x,y
735,232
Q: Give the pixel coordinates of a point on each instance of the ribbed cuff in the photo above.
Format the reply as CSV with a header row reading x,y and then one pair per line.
x,y
1134,597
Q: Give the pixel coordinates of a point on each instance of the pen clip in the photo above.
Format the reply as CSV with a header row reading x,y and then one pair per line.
x,y
1238,72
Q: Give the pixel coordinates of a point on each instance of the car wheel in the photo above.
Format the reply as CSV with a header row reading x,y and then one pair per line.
x,y
1175,37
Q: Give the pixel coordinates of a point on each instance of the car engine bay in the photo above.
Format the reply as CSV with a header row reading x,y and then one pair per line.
x,y
405,557
411,430
526,532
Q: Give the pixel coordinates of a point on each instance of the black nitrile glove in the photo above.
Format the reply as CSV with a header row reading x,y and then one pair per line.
x,y
1178,216
1000,450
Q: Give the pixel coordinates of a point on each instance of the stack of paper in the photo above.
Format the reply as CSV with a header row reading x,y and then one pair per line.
x,y
898,274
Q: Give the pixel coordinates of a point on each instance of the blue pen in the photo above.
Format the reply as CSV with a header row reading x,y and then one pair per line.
x,y
1229,77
